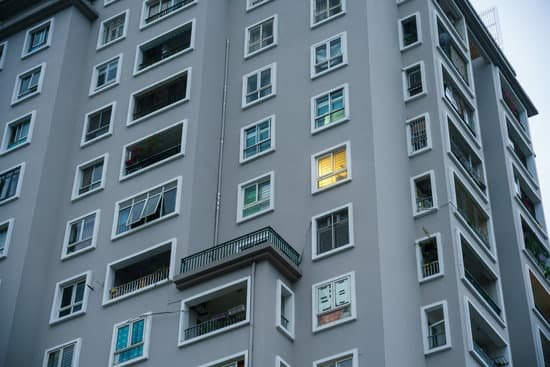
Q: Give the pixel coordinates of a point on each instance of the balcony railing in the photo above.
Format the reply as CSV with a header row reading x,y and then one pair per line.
x,y
145,107
492,362
136,284
539,252
430,269
482,291
133,166
162,13
480,232
237,245
424,203
466,163
224,320
437,340
164,54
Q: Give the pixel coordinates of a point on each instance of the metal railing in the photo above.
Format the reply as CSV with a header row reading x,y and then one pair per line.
x,y
465,161
430,269
152,159
167,11
144,108
214,324
163,55
538,251
437,340
230,248
490,361
482,291
477,230
134,285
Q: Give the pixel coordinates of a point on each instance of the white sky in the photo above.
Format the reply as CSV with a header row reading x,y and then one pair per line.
x,y
526,34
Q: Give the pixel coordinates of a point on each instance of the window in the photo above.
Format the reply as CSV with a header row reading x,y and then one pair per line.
x,y
409,31
251,4
255,197
346,359
419,138
435,327
113,29
260,36
465,156
106,75
474,216
257,139
98,124
64,355
3,53
146,208
331,167
329,109
81,234
165,47
155,10
429,257
71,297
38,38
18,132
334,302
328,55
424,193
454,17
459,103
6,229
159,97
237,360
259,85
130,342
215,311
28,84
413,81
153,150
10,183
452,52
324,10
284,314
90,177
332,231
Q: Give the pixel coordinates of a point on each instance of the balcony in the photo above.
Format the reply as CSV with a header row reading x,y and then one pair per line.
x,y
164,47
225,319
156,12
454,55
514,107
458,102
472,213
539,252
488,347
465,155
428,256
521,150
263,244
454,16
541,298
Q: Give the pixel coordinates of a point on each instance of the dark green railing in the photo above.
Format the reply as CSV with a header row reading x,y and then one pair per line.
x,y
213,325
482,292
232,247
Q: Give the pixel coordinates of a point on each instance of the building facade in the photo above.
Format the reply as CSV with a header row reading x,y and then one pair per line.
x,y
266,182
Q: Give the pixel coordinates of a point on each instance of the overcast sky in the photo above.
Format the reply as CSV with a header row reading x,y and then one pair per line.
x,y
525,32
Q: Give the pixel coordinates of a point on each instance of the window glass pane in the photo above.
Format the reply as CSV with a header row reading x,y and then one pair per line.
x,y
137,209
345,362
250,137
79,296
250,194
252,83
264,190
74,235
342,292
66,297
169,202
123,216
324,298
67,359
88,229
265,78
53,359
324,165
152,205
137,331
122,337
320,54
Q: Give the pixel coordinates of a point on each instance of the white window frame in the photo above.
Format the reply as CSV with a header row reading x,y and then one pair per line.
x,y
130,120
4,149
15,99
93,85
344,46
402,46
54,318
431,175
178,180
185,310
147,316
425,332
240,197
78,176
76,352
406,96
83,141
273,93
100,45
50,22
353,353
278,311
191,47
351,244
345,94
131,259
4,54
314,176
417,243
21,167
313,24
144,11
10,223
64,254
272,119
228,359
428,147
183,144
314,306
108,2
275,19
250,6
279,362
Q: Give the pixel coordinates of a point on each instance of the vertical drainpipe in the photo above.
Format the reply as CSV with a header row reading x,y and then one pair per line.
x,y
251,334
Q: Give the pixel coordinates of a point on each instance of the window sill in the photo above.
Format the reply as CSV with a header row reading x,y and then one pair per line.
x,y
103,88
324,72
214,333
335,251
105,45
259,51
416,96
24,98
123,177
423,213
19,146
241,219
315,190
144,25
430,278
285,332
333,324
97,138
68,317
10,199
419,151
107,302
331,125
259,100
132,361
437,350
33,52
77,197
326,20
161,62
76,253
252,7
246,160
159,111
411,46
115,236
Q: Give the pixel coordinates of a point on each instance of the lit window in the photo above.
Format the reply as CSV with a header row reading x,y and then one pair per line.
x,y
113,29
90,176
130,341
38,38
330,108
261,36
328,55
324,10
255,197
259,85
257,139
330,167
71,297
333,302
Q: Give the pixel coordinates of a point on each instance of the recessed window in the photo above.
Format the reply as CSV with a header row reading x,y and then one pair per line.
x,y
38,38
6,229
331,167
64,355
257,139
259,85
3,53
81,234
261,36
113,29
251,4
459,103
324,10
419,137
106,75
333,302
429,257
329,55
332,231
28,84
284,315
10,183
475,217
465,155
18,132
155,10
424,195
71,297
255,197
90,177
346,359
453,52
413,81
329,108
435,327
98,124
130,342
409,31
146,208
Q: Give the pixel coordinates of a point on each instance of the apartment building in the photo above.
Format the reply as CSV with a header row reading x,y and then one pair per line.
x,y
266,182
